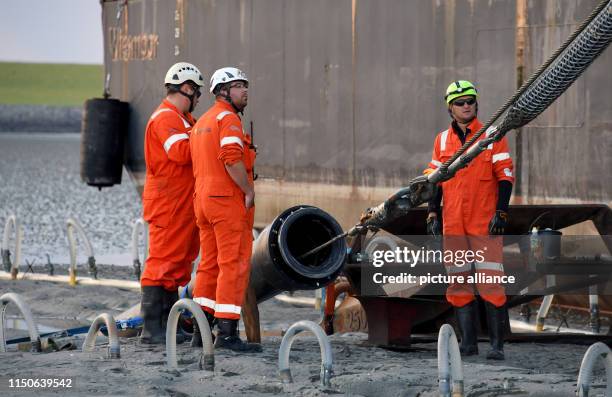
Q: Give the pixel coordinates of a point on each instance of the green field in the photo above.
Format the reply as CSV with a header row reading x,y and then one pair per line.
x,y
49,84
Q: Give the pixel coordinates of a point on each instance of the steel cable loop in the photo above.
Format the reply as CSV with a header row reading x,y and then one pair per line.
x,y
593,354
324,345
450,367
140,226
72,223
113,338
12,223
27,315
598,35
207,359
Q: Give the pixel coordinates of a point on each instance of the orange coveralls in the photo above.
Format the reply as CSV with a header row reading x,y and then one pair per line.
x,y
225,224
469,203
167,199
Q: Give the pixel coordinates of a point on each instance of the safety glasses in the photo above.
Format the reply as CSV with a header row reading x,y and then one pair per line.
x,y
196,91
461,102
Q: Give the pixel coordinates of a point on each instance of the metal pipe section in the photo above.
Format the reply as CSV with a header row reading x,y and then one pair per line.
x,y
594,319
71,224
285,349
450,368
81,281
207,360
275,266
113,338
12,223
585,376
17,262
27,315
545,306
543,312
318,299
140,227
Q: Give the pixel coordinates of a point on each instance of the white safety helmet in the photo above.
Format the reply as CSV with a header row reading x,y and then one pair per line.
x,y
182,72
225,75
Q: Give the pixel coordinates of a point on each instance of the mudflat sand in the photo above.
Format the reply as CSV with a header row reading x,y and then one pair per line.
x,y
359,369
41,185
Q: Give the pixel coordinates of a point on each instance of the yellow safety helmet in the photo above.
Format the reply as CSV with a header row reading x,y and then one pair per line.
x,y
459,88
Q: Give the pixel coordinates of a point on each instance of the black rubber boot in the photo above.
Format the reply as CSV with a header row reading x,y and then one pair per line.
x,y
496,322
170,298
196,339
228,338
151,308
467,320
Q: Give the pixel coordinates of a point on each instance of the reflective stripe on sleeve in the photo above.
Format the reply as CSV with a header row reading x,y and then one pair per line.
x,y
500,156
157,113
221,115
489,266
436,163
160,111
453,269
209,303
173,139
228,140
443,140
227,308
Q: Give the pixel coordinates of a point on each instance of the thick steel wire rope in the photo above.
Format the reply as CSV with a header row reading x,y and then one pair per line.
x,y
537,93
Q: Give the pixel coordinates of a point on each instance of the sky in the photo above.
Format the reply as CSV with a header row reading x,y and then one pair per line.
x,y
51,31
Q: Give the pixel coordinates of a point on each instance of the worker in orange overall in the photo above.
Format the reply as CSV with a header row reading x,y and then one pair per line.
x,y
475,207
168,200
224,203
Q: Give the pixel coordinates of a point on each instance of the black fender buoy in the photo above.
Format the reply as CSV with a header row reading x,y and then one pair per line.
x,y
103,132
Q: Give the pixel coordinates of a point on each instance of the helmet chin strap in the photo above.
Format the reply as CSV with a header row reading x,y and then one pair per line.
x,y
228,98
191,99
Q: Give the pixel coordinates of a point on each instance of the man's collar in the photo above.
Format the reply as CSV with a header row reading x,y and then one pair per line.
x,y
474,125
171,106
225,105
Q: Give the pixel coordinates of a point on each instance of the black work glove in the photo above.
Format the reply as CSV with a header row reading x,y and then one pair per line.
x,y
498,223
433,226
